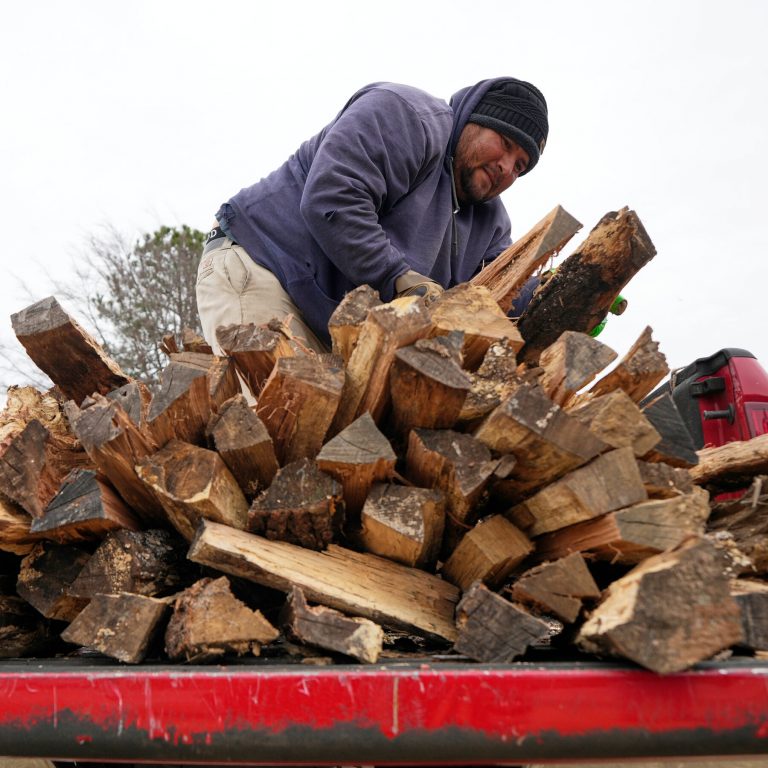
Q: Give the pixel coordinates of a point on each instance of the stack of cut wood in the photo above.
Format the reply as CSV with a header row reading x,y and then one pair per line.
x,y
448,476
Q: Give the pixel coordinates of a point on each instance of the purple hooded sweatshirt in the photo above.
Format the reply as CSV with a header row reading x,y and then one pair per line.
x,y
366,199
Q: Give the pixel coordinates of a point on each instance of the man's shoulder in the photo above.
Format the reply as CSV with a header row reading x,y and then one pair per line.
x,y
409,96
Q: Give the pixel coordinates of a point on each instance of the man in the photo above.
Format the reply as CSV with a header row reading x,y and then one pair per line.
x,y
400,192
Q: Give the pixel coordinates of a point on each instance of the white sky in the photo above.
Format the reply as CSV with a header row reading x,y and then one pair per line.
x,y
147,113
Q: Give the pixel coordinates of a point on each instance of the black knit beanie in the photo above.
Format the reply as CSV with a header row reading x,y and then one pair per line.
x,y
518,110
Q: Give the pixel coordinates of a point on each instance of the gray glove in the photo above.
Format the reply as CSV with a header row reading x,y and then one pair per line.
x,y
414,284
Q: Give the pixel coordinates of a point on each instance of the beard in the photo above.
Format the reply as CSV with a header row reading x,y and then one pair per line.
x,y
471,194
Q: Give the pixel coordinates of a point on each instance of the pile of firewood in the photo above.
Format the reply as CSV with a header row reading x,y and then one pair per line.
x,y
447,477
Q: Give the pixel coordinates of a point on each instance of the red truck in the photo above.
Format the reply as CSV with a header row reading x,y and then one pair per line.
x,y
430,712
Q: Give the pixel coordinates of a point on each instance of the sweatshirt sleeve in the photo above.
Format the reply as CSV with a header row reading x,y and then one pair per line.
x,y
372,155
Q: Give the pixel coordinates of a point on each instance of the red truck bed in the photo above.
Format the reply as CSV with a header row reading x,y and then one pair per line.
x,y
394,713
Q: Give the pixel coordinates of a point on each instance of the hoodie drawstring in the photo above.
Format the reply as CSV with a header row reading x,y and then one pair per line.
x,y
454,228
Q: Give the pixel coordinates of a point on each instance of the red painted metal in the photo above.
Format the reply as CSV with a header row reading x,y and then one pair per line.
x,y
386,714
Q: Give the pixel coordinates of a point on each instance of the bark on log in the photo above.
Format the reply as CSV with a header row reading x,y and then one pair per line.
x,y
472,310
120,626
194,483
60,348
610,482
508,272
85,508
359,584
670,612
559,588
241,439
581,291
151,563
493,630
45,577
298,402
208,621
488,553
403,524
732,465
331,630
303,506
347,320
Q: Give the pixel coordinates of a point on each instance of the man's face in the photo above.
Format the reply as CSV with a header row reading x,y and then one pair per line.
x,y
486,163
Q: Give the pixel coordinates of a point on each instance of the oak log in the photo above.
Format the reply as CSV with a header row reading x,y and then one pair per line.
x,y
663,481
489,553
298,402
668,613
579,294
403,524
302,506
608,483
358,584
239,436
347,319
508,272
193,483
208,621
64,351
331,630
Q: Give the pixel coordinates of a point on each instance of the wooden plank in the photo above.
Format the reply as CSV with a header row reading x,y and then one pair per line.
x,y
358,584
331,630
208,621
508,272
64,351
579,294
668,613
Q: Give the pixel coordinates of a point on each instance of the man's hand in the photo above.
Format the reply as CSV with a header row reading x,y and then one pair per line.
x,y
414,284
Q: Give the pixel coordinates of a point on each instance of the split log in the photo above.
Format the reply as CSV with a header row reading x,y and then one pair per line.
x,y
403,524
150,563
359,584
347,319
508,272
745,522
23,632
331,630
491,384
427,384
358,457
34,464
638,372
610,482
45,577
633,534
193,483
472,310
752,598
120,626
543,438
135,399
385,330
65,352
188,396
663,481
15,535
208,621
298,402
559,588
493,630
23,404
571,363
676,446
617,421
456,464
302,506
255,350
116,445
85,508
488,553
668,613
241,439
191,341
579,294
732,465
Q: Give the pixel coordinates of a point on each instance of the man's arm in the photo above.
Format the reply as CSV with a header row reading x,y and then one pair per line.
x,y
374,154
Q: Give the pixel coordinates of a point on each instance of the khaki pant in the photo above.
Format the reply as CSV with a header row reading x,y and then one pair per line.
x,y
233,288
